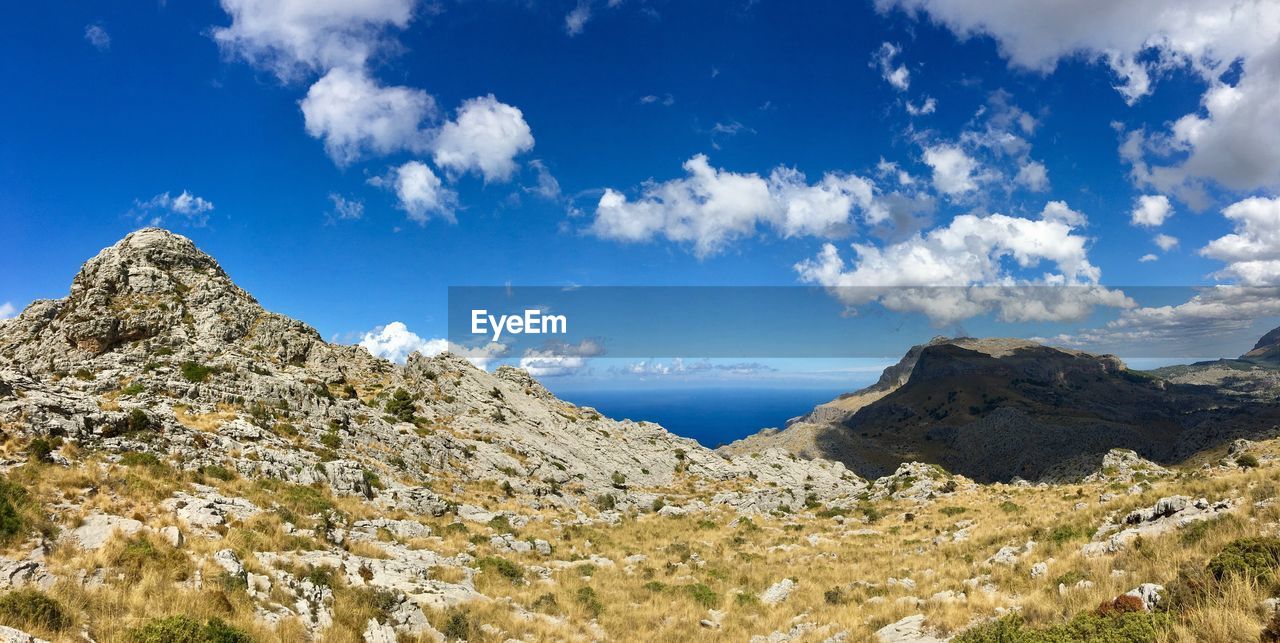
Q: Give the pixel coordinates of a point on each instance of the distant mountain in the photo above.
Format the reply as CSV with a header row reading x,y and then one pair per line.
x,y
999,409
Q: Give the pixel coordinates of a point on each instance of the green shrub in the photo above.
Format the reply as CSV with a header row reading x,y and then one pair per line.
x,y
137,555
606,502
13,498
619,480
133,389
703,595
590,601
547,604
834,596
218,472
183,629
401,406
1247,461
456,626
1125,627
40,450
1255,558
1067,533
28,609
140,459
505,568
331,440
195,372
952,511
1010,507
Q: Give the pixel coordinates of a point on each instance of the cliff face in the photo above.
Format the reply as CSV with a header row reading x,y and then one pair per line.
x,y
999,409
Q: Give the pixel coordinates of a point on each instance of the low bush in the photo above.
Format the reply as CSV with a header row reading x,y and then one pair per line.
x,y
195,372
590,601
1254,558
703,595
1126,627
505,568
184,629
27,609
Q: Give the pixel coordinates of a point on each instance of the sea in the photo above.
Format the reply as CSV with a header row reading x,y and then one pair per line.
x,y
712,416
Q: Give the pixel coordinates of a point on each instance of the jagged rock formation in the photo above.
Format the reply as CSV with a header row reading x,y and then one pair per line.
x,y
1004,409
158,327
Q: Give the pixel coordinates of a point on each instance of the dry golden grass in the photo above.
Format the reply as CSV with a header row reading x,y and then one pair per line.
x,y
691,564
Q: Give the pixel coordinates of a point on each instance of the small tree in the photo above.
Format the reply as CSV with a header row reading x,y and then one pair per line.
x,y
401,405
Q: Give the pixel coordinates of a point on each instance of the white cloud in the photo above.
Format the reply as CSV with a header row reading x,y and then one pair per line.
x,y
928,106
548,187
1252,251
344,208
1166,242
8,310
1147,258
356,117
486,137
953,169
1034,176
1213,316
559,359
895,75
963,269
297,37
712,207
1231,141
98,37
1059,211
194,209
666,100
577,18
1150,210
396,342
420,191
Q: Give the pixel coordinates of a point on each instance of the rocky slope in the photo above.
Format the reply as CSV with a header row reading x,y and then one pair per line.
x,y
1002,409
178,464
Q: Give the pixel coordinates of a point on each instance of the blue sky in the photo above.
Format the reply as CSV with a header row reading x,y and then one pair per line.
x,y
348,162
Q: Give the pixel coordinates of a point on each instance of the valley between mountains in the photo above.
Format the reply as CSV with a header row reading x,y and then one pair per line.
x,y
180,464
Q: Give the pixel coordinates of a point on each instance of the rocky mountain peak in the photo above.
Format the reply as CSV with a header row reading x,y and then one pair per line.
x,y
151,289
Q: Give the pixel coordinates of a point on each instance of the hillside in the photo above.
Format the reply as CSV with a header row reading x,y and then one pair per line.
x,y
1003,409
180,464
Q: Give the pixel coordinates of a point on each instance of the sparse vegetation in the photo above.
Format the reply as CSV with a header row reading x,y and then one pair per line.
x,y
195,372
27,609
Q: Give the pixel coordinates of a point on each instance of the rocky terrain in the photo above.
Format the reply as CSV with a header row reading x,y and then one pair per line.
x,y
1006,409
181,465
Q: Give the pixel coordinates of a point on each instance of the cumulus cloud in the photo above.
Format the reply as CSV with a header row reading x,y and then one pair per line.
x,y
1218,316
1150,210
953,169
560,359
1166,242
98,37
894,74
1147,258
485,137
192,209
396,342
420,192
355,116
712,207
1062,213
1229,140
293,38
8,310
966,268
1252,251
1034,176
